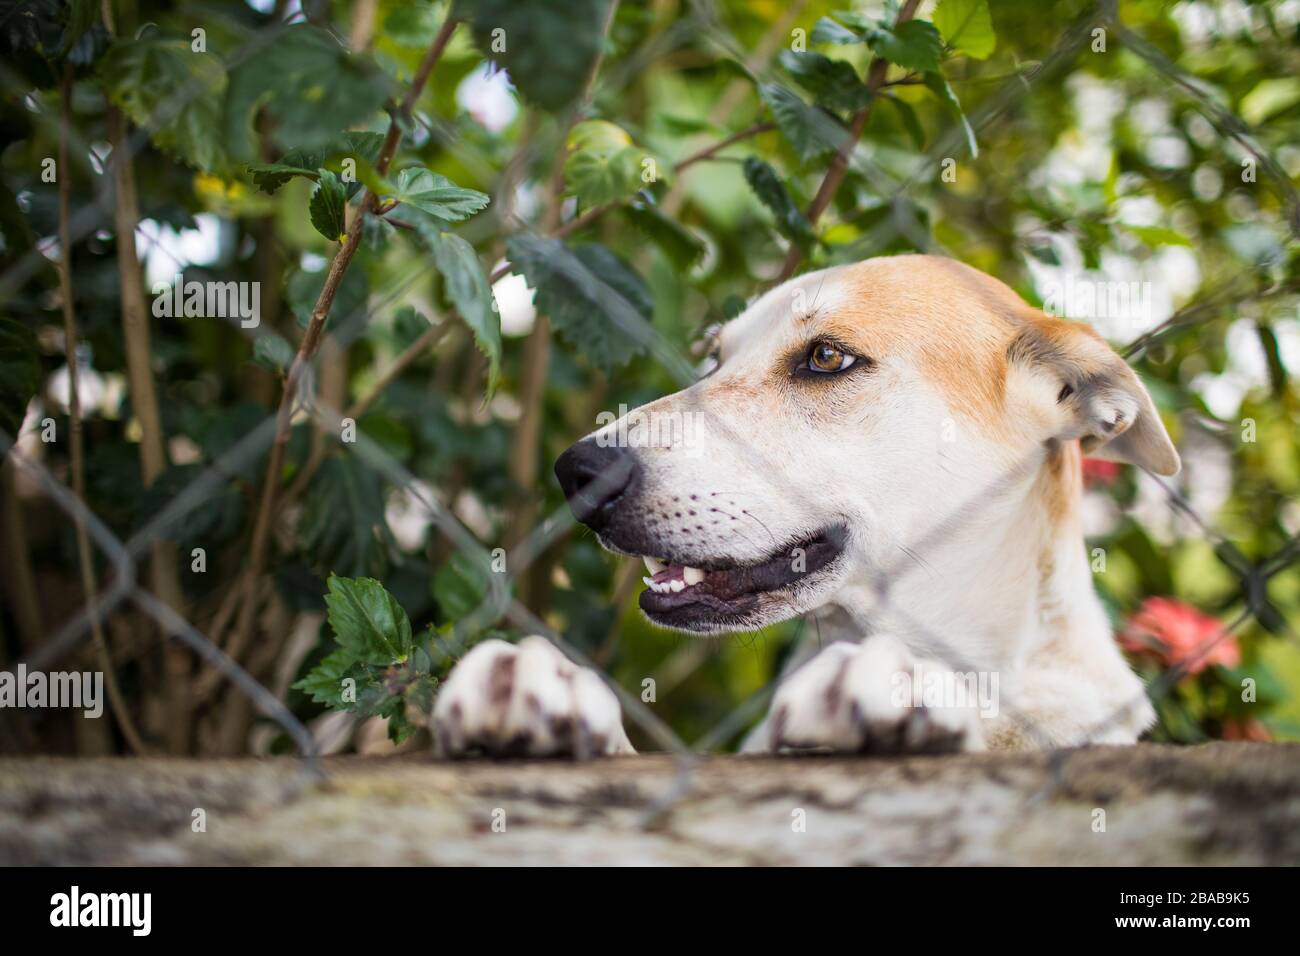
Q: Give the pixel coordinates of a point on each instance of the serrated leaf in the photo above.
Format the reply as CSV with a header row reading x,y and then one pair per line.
x,y
173,93
367,621
938,85
311,86
602,163
678,243
328,206
771,191
343,527
20,376
363,147
325,681
467,287
436,195
409,323
549,48
913,45
811,131
834,84
599,306
966,26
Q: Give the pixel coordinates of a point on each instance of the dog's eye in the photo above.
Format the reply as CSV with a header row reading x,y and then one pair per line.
x,y
827,359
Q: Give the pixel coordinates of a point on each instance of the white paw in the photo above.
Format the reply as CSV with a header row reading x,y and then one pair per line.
x,y
526,700
855,698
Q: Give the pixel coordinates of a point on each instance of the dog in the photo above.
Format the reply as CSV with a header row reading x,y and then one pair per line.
x,y
892,447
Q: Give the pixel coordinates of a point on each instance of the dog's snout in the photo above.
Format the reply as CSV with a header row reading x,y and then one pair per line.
x,y
594,478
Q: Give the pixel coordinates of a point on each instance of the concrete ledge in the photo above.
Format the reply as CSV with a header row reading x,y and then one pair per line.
x,y
1213,804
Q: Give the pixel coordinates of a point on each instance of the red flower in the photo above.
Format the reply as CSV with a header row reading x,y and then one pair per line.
x,y
1175,633
1243,728
1098,471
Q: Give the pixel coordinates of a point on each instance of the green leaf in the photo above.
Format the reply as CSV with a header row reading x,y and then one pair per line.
x,y
771,191
812,132
368,622
173,93
678,243
966,26
328,205
1158,235
599,306
467,287
15,231
833,83
20,375
343,527
436,195
603,164
310,85
325,681
938,85
907,116
828,31
217,519
913,45
1270,97
549,49
359,146
459,586
273,351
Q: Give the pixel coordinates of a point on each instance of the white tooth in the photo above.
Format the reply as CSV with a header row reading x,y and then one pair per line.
x,y
677,586
653,565
649,582
660,588
692,576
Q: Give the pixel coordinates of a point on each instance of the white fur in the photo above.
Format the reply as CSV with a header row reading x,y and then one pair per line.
x,y
944,565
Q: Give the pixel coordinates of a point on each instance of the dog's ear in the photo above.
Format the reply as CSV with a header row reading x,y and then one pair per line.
x,y
1098,398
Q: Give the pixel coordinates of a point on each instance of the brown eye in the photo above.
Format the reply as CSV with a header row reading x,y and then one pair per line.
x,y
826,358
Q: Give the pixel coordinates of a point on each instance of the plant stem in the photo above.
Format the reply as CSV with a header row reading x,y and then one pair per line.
x,y
840,162
78,455
163,570
708,151
311,341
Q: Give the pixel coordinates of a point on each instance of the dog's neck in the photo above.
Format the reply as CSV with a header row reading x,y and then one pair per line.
x,y
999,581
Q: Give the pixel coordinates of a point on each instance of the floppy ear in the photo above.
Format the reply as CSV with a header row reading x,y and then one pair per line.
x,y
1100,400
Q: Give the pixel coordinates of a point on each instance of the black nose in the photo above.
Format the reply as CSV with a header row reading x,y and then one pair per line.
x,y
594,478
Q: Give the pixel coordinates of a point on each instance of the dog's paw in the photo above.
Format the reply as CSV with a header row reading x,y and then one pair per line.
x,y
856,698
526,700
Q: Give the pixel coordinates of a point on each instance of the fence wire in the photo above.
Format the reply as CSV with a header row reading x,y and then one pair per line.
x,y
500,604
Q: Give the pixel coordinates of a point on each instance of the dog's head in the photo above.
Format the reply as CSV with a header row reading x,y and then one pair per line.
x,y
842,416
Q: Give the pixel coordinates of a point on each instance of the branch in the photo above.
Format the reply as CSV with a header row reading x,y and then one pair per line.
x,y
708,151
526,441
840,162
78,456
163,564
311,341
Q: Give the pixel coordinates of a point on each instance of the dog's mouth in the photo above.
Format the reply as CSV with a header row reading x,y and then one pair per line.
x,y
719,595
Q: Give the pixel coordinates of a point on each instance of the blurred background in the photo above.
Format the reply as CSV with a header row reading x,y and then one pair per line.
x,y
1131,165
